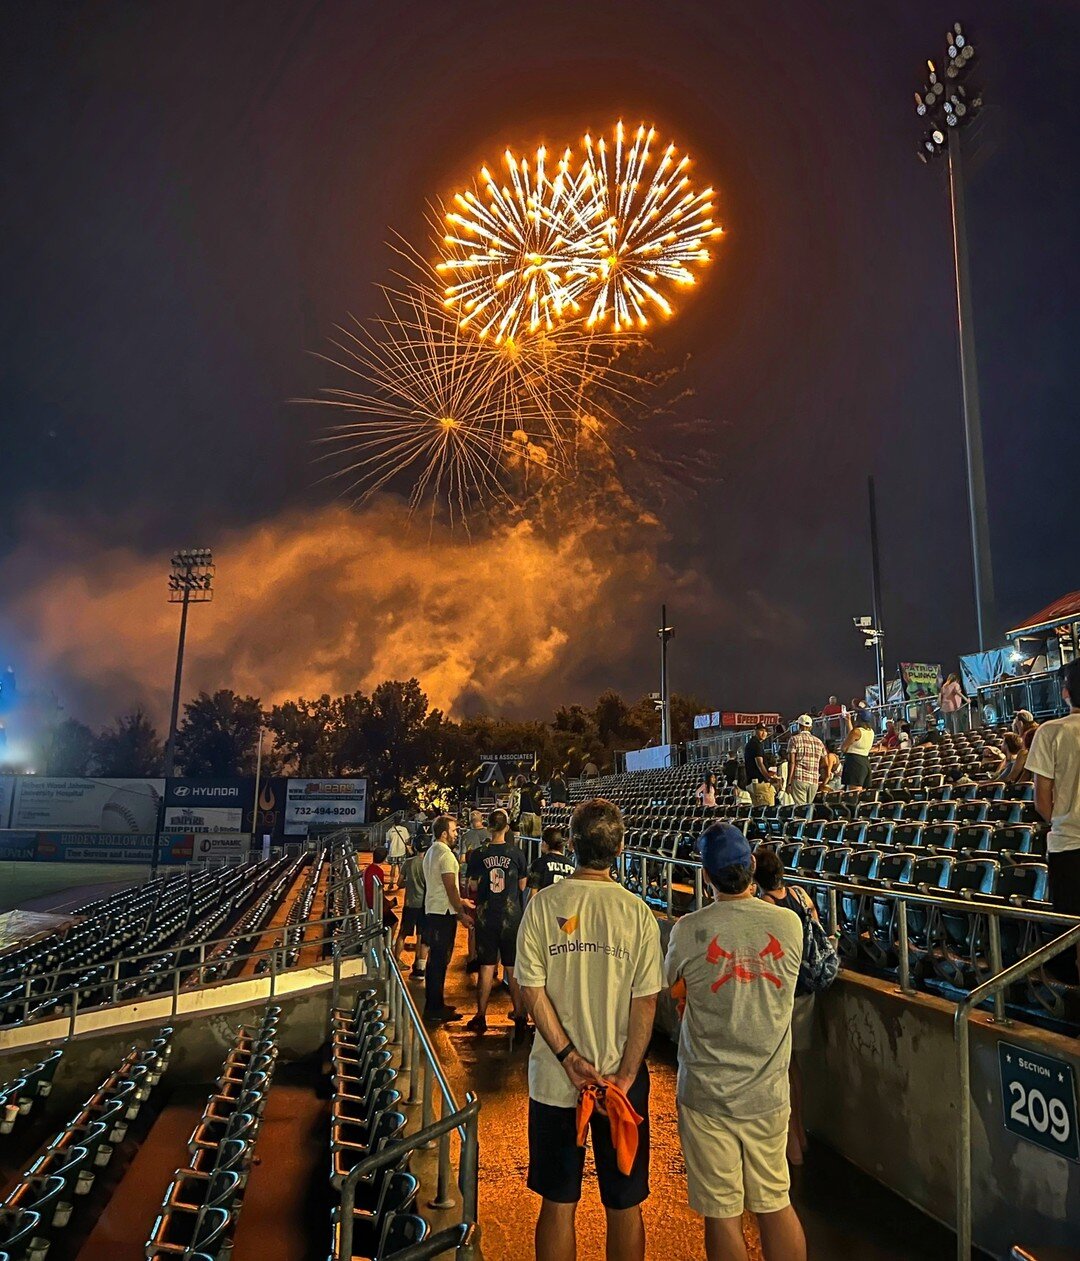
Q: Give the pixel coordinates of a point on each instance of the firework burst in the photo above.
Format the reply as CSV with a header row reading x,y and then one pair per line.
x,y
517,255
428,404
650,228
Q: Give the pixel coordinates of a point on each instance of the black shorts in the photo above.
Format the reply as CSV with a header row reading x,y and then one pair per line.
x,y
496,940
556,1162
856,772
1064,871
412,921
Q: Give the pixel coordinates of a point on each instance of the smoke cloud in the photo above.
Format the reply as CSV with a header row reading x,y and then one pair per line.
x,y
517,620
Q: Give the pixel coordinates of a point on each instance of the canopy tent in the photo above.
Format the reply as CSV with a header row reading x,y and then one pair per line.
x,y
1064,611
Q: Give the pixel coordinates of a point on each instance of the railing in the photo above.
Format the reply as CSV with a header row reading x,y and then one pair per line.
x,y
426,1077
1039,694
996,986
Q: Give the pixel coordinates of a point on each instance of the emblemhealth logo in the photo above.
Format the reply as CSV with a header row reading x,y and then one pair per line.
x,y
569,925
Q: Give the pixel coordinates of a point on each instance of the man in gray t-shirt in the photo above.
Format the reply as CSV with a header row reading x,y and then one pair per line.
x,y
734,965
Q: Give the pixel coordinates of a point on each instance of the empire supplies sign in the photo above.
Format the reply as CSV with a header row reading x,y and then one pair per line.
x,y
1038,1099
324,803
198,819
112,806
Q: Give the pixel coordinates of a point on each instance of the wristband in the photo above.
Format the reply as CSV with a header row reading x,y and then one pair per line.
x,y
561,1055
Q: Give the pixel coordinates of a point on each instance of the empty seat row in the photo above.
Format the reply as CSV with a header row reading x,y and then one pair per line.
x,y
39,1207
202,1203
19,1096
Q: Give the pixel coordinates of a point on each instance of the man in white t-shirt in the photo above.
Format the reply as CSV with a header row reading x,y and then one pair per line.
x,y
590,968
735,965
397,846
1054,760
444,908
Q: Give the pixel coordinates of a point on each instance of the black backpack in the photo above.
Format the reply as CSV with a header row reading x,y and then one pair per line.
x,y
820,961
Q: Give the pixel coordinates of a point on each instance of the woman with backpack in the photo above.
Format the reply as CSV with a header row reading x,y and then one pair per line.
x,y
769,874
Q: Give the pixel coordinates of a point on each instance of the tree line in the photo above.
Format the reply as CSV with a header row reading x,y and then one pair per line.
x,y
410,753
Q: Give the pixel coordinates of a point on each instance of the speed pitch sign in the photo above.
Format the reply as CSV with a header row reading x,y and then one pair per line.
x,y
1038,1099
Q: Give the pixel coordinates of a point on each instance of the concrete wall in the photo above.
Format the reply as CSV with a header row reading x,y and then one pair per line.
x,y
882,1089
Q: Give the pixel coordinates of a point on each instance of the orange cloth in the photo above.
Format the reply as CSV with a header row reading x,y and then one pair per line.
x,y
678,993
623,1121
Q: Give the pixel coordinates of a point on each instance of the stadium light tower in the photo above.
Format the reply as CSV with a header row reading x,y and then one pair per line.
x,y
664,633
191,580
947,104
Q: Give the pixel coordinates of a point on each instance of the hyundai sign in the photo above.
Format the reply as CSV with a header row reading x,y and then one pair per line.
x,y
196,794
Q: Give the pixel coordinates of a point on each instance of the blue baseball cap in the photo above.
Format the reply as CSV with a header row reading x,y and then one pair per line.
x,y
723,846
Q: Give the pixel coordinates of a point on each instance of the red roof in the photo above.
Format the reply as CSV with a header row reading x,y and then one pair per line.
x,y
1064,610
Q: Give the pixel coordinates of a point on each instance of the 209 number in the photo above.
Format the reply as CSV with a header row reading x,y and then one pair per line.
x,y
1031,1108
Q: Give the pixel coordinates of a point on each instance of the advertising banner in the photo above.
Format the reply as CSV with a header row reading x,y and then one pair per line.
x,y
87,805
654,758
238,793
703,722
217,849
735,718
198,819
7,791
18,847
59,847
270,808
920,679
321,803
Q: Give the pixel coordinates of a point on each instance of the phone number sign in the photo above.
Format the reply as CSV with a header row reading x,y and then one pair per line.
x,y
321,803
1038,1099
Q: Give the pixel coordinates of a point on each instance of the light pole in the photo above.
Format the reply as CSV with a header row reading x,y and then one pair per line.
x,y
191,580
664,633
875,573
947,107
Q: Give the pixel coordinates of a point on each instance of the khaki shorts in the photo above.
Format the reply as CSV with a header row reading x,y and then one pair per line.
x,y
802,1023
735,1164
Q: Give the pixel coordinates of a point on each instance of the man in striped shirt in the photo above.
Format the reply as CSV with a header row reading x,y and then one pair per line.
x,y
806,757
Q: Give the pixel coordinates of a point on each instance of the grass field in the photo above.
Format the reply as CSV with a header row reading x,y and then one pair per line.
x,y
22,882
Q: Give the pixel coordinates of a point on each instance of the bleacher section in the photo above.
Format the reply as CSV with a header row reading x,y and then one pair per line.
x,y
980,843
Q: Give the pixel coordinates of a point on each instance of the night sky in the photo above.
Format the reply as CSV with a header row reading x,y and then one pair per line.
x,y
196,193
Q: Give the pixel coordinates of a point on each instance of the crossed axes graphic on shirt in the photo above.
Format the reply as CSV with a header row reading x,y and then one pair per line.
x,y
745,966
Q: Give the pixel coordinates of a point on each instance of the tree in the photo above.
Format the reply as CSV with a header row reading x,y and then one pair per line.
x,y
219,735
309,735
129,749
68,748
393,737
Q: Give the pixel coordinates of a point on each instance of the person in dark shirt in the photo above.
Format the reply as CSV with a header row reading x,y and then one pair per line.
x,y
532,800
375,874
755,757
552,865
497,873
558,793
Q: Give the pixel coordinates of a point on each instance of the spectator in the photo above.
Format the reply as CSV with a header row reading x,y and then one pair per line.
x,y
905,740
992,760
931,739
412,913
444,908
831,767
594,1010
552,865
859,710
1054,760
833,709
734,770
959,777
397,846
497,873
754,756
706,791
891,739
951,702
769,873
1025,726
531,803
856,750
375,876
558,792
805,764
734,1051
475,834
763,791
1015,770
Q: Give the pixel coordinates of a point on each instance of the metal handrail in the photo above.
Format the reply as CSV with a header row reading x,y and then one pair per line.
x,y
962,1034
